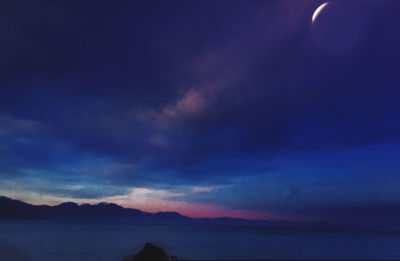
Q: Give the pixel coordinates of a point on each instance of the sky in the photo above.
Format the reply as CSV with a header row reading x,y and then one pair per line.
x,y
247,109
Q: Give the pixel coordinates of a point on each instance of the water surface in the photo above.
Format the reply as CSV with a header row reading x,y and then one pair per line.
x,y
40,241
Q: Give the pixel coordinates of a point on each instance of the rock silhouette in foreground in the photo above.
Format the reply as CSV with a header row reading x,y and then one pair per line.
x,y
150,252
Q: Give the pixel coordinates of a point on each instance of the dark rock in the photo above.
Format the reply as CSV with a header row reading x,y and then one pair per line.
x,y
151,252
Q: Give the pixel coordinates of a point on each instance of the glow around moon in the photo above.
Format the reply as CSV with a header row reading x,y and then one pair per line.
x,y
318,11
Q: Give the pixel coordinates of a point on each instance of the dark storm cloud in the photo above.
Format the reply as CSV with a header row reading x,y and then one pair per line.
x,y
185,90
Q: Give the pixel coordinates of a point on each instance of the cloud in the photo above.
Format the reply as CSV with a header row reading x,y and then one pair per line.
x,y
19,128
252,91
209,188
55,185
26,143
212,104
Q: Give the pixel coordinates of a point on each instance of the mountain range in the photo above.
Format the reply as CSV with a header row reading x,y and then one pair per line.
x,y
15,209
11,209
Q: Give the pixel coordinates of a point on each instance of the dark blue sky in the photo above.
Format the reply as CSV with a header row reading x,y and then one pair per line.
x,y
209,108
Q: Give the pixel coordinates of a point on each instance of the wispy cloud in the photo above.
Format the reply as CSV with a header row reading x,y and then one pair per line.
x,y
209,188
19,127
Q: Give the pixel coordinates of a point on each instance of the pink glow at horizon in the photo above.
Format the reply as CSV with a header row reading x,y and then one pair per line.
x,y
150,200
153,201
196,210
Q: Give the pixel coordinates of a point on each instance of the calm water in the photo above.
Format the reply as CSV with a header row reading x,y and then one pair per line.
x,y
40,241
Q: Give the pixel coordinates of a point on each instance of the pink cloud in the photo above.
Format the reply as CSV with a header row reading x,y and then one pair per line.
x,y
191,103
217,69
209,188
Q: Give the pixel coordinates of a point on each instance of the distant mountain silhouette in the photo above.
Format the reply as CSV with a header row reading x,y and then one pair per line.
x,y
11,209
70,211
15,209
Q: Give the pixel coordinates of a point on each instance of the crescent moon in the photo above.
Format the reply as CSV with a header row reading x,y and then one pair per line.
x,y
318,11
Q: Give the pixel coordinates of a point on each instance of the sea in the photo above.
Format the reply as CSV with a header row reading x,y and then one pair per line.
x,y
85,241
